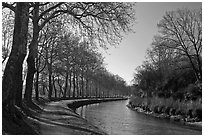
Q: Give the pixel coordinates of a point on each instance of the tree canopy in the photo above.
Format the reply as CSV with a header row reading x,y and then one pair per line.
x,y
62,57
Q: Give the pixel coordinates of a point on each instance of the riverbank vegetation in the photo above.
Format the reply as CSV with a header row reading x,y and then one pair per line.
x,y
51,50
170,80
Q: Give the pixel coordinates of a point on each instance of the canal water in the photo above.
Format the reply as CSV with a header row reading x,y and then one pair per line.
x,y
116,119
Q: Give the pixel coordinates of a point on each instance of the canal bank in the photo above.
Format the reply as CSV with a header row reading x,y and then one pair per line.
x,y
56,118
116,119
166,112
74,104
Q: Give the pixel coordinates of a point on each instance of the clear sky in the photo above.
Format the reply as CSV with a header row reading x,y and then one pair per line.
x,y
132,50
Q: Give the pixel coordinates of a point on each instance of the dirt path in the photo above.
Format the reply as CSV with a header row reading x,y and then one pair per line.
x,y
56,118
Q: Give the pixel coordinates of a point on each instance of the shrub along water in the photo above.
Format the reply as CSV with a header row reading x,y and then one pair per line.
x,y
189,111
169,81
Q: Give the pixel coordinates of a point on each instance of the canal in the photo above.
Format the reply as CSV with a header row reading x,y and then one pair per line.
x,y
116,119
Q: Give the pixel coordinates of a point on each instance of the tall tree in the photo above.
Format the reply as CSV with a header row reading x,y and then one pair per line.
x,y
98,21
32,53
184,29
12,78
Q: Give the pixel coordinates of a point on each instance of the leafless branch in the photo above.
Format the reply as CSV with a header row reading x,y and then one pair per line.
x,y
9,6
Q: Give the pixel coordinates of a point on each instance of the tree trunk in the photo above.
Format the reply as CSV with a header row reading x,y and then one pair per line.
x,y
12,83
50,84
60,86
96,91
66,85
199,67
36,86
29,78
70,84
77,86
87,84
82,85
99,91
74,85
32,55
55,90
194,67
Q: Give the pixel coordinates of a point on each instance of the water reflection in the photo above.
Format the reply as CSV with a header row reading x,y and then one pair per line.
x,y
115,118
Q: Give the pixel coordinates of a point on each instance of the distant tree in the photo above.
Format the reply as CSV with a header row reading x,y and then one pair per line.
x,y
98,21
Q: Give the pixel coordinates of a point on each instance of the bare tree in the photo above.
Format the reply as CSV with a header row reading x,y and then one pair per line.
x,y
183,28
98,21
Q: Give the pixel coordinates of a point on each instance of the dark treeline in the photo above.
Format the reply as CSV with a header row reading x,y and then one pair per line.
x,y
68,66
51,49
171,76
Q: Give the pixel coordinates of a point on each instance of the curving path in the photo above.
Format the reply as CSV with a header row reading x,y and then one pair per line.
x,y
55,118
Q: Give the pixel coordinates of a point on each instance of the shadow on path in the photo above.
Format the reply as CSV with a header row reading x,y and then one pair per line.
x,y
55,118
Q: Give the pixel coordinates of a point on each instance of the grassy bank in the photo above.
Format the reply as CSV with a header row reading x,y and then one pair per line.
x,y
189,111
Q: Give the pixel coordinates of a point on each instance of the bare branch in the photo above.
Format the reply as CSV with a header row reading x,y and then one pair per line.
x,y
9,6
50,9
43,4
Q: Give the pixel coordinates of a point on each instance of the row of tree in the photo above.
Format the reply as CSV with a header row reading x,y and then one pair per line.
x,y
174,62
59,41
70,67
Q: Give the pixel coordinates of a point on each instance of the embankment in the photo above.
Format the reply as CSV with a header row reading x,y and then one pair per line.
x,y
73,104
57,117
189,113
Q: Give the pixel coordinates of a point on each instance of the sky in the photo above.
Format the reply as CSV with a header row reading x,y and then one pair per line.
x,y
131,52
